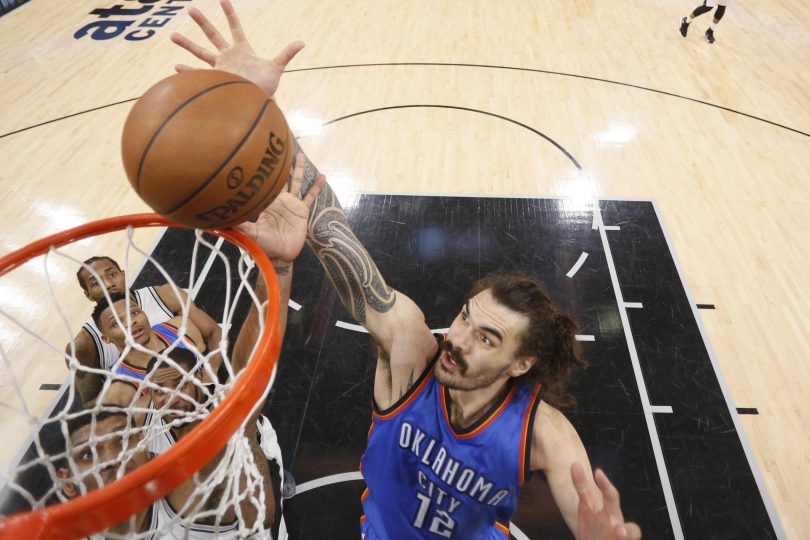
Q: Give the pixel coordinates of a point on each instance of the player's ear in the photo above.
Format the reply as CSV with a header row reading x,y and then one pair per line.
x,y
522,364
68,487
104,338
87,295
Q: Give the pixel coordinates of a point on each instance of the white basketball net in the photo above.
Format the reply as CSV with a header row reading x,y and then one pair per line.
x,y
42,309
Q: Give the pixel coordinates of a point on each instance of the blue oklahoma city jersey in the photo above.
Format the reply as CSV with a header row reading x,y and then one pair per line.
x,y
168,334
428,480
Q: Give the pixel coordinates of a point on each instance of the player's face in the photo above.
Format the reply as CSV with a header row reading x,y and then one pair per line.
x,y
111,277
140,328
111,441
481,345
177,399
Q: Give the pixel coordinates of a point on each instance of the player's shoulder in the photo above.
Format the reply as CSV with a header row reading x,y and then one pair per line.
x,y
171,296
86,346
552,427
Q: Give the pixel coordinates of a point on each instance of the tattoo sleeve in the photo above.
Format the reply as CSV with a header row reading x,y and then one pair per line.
x,y
357,279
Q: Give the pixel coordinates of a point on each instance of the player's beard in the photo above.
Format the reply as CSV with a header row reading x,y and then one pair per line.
x,y
461,379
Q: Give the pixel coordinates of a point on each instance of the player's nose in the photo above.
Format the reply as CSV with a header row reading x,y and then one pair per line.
x,y
462,340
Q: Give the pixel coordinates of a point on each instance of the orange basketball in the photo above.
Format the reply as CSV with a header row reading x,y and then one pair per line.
x,y
207,148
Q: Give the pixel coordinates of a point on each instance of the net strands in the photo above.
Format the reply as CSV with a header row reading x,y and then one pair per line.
x,y
130,449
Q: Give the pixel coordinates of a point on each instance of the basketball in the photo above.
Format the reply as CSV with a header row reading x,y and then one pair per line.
x,y
206,148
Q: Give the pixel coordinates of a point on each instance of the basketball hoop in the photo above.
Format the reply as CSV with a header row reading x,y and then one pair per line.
x,y
113,503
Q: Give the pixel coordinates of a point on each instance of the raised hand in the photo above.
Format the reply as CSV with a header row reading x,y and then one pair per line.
x,y
606,523
237,57
281,229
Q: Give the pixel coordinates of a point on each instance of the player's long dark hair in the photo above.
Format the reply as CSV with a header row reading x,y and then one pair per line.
x,y
551,335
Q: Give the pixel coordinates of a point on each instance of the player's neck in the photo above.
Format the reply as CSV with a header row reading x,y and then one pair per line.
x,y
141,359
468,406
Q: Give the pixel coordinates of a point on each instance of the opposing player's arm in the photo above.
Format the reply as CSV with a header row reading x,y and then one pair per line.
x,y
590,508
209,329
87,384
250,332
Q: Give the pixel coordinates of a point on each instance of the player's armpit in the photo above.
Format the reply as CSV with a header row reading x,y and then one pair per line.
x,y
405,347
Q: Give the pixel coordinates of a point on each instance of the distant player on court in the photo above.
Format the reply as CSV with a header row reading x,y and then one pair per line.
x,y
705,7
159,304
458,422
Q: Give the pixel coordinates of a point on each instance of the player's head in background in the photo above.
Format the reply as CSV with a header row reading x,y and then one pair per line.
x,y
100,442
110,274
104,316
179,392
510,329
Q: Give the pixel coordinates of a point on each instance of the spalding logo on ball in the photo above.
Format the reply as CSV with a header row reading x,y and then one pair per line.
x,y
207,149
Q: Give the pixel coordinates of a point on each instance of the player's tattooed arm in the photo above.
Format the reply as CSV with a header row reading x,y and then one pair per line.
x,y
356,278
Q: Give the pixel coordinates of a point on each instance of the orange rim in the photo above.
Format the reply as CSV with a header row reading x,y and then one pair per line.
x,y
134,492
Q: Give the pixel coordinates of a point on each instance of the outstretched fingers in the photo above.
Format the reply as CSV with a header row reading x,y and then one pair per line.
x,y
288,53
208,29
298,180
297,174
234,24
580,481
312,194
197,50
610,495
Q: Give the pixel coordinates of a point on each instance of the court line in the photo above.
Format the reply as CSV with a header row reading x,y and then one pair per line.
x,y
442,64
358,328
633,305
659,409
561,74
428,106
642,387
325,481
45,123
749,453
578,264
349,326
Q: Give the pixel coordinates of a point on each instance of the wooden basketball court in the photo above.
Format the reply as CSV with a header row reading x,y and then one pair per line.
x,y
572,100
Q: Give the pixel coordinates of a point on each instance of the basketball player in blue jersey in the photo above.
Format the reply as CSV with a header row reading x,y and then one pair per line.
x,y
160,303
458,422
